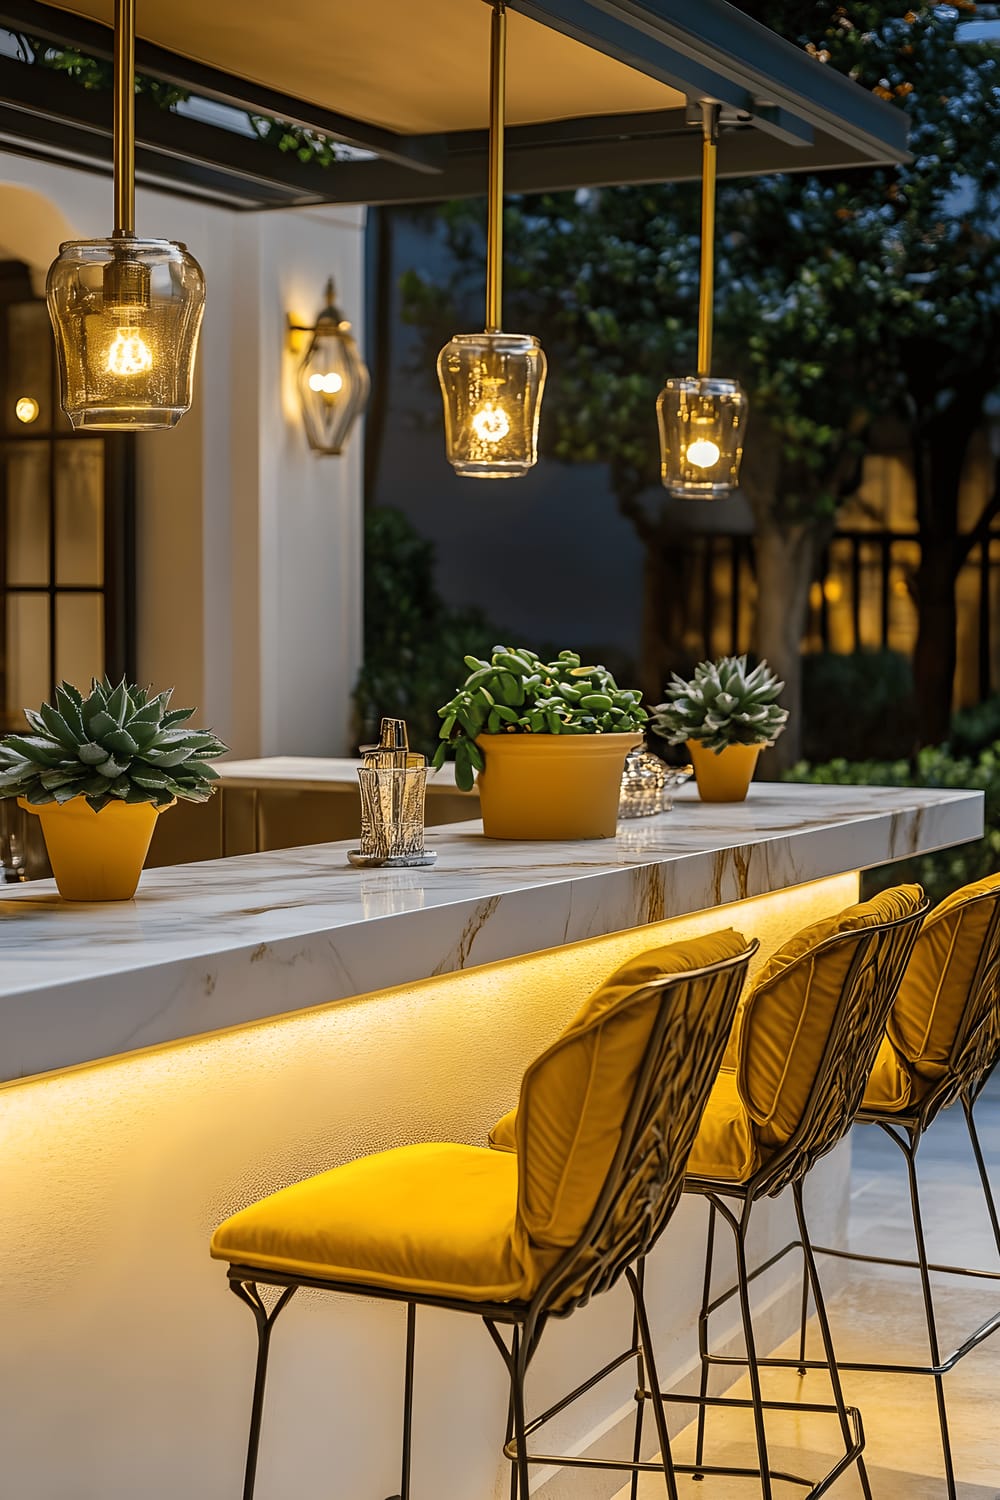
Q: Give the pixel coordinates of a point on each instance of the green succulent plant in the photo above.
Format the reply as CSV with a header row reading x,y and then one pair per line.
x,y
515,692
722,705
117,744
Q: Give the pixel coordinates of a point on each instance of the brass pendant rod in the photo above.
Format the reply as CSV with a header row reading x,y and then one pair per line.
x,y
494,230
124,123
706,295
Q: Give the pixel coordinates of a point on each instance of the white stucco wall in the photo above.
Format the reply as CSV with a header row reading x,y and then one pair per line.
x,y
248,567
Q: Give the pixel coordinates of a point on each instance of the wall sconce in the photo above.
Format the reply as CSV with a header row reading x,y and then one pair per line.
x,y
125,312
333,380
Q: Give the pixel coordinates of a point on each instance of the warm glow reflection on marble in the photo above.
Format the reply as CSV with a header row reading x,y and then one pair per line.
x,y
227,942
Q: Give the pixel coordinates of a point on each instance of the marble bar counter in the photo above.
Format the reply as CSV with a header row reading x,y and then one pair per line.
x,y
227,942
247,1022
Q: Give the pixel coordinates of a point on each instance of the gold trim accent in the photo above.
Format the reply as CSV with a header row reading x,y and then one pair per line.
x,y
706,294
124,118
498,101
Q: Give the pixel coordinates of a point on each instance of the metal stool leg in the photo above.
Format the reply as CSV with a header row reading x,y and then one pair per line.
x,y
739,1228
812,1274
247,1292
968,1105
706,1297
640,1386
659,1415
518,1370
909,1150
411,1344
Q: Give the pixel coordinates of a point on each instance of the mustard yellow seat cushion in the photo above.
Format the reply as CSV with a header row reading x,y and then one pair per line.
x,y
435,1218
936,986
724,1147
503,1136
786,1017
891,1085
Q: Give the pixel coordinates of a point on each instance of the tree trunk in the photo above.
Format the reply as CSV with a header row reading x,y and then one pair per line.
x,y
935,655
785,561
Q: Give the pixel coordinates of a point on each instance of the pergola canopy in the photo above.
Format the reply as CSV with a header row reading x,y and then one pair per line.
x,y
598,92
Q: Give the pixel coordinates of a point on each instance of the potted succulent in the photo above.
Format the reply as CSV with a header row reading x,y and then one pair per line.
x,y
98,771
725,716
548,739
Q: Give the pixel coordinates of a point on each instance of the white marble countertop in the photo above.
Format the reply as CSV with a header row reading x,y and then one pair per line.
x,y
316,773
230,941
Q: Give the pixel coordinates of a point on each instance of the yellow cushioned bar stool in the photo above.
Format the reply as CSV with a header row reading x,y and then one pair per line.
x,y
606,1119
941,1044
806,1039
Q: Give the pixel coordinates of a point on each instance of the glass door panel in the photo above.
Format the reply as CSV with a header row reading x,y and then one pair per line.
x,y
27,530
79,514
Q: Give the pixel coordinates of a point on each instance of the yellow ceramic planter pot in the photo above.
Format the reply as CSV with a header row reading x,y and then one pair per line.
x,y
552,786
96,856
726,776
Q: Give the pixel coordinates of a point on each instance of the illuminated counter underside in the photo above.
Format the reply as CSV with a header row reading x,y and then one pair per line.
x,y
226,943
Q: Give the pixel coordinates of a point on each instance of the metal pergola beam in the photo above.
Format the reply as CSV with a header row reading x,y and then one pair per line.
x,y
647,159
52,100
713,50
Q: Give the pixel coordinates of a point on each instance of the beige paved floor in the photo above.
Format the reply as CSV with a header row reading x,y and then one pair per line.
x,y
882,1310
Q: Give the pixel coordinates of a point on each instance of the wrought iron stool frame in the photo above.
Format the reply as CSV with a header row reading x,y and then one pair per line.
x,y
857,1026
639,1195
974,1056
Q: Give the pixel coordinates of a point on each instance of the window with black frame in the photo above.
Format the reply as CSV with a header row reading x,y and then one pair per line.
x,y
66,522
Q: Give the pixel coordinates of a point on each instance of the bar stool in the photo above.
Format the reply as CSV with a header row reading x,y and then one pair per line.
x,y
606,1119
806,1039
942,1042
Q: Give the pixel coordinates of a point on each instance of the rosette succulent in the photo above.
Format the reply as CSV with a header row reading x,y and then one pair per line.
x,y
117,744
722,705
515,692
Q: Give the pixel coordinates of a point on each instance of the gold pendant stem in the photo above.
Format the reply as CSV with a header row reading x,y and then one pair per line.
x,y
706,295
124,126
494,230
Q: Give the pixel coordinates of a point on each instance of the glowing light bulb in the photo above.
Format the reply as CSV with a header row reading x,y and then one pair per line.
x,y
328,384
491,424
129,353
703,453
26,409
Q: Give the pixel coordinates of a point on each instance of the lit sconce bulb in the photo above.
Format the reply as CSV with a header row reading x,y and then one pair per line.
x,y
26,409
703,454
491,424
329,385
129,353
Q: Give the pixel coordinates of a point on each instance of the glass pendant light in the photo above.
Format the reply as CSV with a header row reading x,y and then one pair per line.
x,y
702,418
126,312
492,382
333,380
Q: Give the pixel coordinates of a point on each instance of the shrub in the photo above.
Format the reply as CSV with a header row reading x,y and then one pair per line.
x,y
946,870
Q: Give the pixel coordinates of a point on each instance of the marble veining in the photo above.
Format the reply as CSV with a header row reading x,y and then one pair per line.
x,y
231,941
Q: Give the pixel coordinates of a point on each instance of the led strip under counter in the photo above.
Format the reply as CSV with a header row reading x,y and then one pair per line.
x,y
230,942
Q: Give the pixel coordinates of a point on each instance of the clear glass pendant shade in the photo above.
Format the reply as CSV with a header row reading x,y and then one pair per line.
x,y
492,384
126,314
702,421
333,383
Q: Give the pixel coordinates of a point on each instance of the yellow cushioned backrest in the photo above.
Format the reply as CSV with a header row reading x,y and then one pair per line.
x,y
575,1096
787,1015
936,986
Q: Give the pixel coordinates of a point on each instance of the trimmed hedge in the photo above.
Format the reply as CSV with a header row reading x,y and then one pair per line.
x,y
948,869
